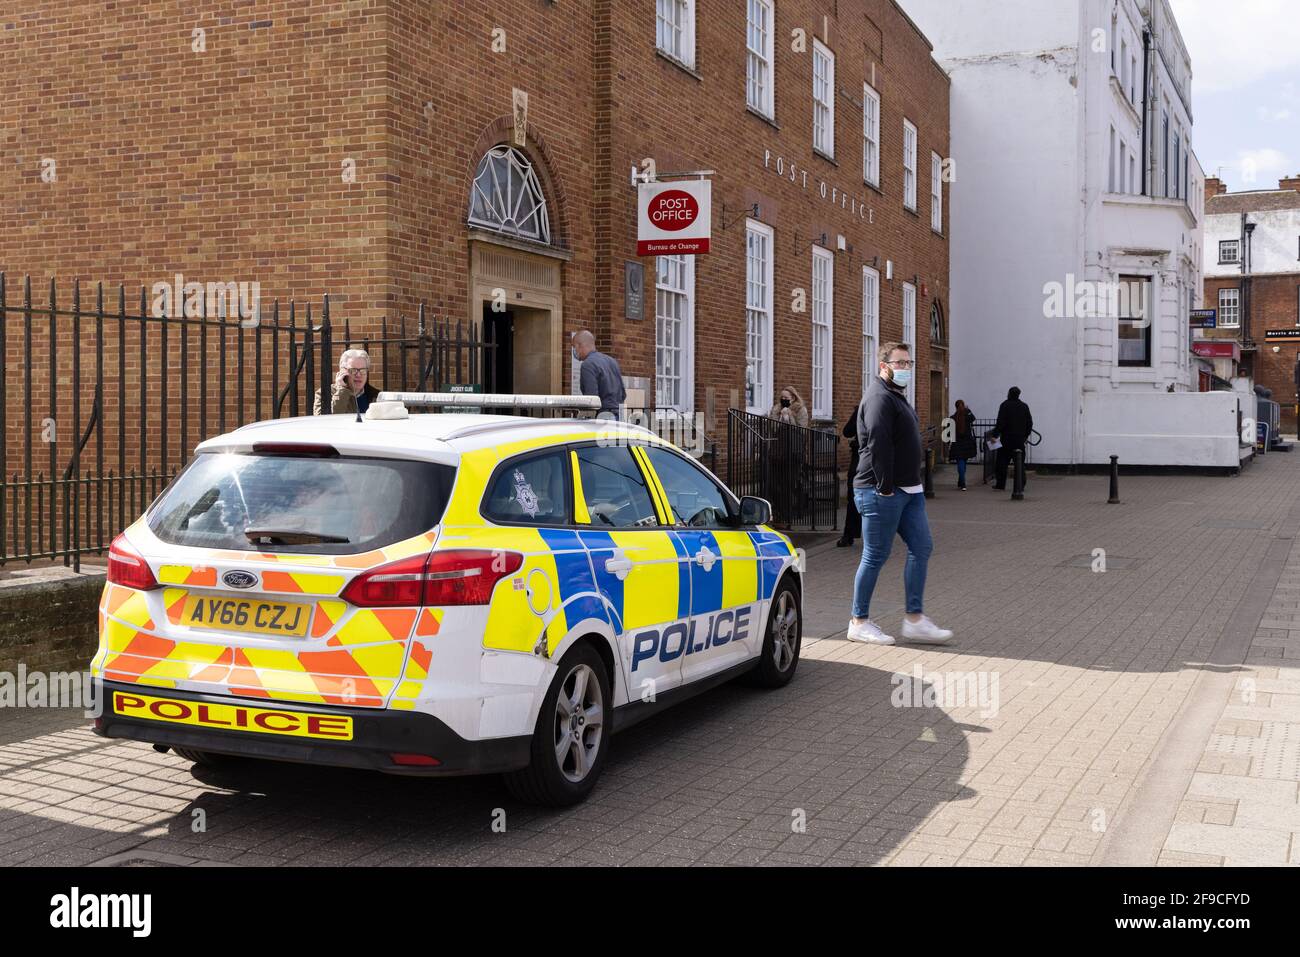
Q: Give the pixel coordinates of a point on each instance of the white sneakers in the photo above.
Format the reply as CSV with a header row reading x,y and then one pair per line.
x,y
923,632
868,632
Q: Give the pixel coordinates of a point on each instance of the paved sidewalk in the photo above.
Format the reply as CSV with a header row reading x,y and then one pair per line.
x,y
1089,717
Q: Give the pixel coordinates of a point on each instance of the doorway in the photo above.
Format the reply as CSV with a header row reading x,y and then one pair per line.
x,y
938,401
521,360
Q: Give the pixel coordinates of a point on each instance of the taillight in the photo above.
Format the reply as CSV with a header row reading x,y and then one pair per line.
x,y
127,567
397,584
460,576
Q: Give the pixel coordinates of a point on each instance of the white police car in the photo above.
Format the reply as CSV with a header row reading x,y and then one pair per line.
x,y
437,594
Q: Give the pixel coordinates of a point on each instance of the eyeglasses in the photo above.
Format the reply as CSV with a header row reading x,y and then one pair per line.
x,y
899,363
355,369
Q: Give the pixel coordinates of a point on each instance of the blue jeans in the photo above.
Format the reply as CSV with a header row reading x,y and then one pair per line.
x,y
961,471
883,516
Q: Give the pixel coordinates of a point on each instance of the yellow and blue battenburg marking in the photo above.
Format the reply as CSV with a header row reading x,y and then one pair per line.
x,y
773,549
578,594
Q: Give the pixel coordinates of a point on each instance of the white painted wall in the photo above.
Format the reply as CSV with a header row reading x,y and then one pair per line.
x,y
1275,246
1193,428
1032,107
1015,215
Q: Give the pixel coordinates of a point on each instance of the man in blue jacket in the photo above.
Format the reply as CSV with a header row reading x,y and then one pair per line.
x,y
891,499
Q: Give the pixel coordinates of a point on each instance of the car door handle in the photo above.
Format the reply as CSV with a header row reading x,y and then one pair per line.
x,y
706,558
619,566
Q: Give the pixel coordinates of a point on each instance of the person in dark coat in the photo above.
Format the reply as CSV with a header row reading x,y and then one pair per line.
x,y
1015,423
890,498
963,445
852,520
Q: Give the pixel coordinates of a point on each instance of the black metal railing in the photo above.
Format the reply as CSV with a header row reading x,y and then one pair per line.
x,y
981,429
794,468
105,402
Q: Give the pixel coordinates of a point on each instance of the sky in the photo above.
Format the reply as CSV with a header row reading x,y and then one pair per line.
x,y
1245,87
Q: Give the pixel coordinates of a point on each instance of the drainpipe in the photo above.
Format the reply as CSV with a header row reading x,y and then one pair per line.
x,y
1246,268
1146,85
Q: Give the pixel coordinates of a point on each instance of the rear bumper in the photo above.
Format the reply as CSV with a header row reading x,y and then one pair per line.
x,y
377,734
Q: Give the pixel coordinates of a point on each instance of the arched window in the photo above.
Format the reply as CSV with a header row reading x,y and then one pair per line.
x,y
507,197
936,323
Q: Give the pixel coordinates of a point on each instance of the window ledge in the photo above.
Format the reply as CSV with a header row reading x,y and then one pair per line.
x,y
770,121
829,159
479,234
684,67
1123,98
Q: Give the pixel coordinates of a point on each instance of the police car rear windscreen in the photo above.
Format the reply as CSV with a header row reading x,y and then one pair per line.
x,y
306,505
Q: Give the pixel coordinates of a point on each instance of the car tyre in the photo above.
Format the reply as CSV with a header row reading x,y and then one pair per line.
x,y
782,642
572,734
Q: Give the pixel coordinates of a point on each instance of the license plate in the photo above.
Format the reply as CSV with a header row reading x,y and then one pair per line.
x,y
248,615
233,717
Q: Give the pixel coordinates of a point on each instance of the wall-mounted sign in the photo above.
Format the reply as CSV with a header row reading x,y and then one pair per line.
x,y
465,388
1203,318
1281,334
1217,348
633,290
673,218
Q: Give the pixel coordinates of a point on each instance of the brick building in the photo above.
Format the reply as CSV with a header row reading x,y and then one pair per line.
x,y
1252,279
333,146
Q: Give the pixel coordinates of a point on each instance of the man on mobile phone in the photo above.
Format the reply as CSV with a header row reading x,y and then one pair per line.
x,y
351,391
888,492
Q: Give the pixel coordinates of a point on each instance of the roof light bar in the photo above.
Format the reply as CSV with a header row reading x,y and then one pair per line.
x,y
493,400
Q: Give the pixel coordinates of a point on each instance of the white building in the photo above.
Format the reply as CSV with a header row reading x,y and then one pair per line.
x,y
1076,226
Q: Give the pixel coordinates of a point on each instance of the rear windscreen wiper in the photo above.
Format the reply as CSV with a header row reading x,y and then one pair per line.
x,y
292,537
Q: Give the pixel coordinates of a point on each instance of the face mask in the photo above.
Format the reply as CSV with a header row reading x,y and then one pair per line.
x,y
902,378
785,403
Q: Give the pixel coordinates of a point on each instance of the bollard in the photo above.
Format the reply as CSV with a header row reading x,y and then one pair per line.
x,y
1018,480
1114,481
927,481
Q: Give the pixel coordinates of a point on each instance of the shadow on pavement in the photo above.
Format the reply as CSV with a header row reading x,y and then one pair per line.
x,y
826,770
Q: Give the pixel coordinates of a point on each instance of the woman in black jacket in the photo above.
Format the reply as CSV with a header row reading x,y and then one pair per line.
x,y
963,446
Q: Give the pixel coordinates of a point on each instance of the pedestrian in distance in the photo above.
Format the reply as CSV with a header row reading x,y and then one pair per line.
x,y
963,444
351,390
1015,423
789,407
786,455
852,520
891,500
600,374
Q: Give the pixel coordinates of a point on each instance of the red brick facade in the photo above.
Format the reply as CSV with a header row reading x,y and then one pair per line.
x,y
217,144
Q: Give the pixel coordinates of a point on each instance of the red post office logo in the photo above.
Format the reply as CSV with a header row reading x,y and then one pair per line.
x,y
672,210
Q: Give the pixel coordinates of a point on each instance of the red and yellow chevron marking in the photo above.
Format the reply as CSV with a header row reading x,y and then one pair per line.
x,y
326,617
197,575
128,605
369,626
429,623
301,583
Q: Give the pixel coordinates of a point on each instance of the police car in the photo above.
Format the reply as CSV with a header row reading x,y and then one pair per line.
x,y
437,594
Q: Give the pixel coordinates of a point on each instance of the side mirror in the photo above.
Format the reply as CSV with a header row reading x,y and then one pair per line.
x,y
755,511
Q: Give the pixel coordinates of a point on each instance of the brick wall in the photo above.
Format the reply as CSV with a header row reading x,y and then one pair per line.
x,y
49,625
226,164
